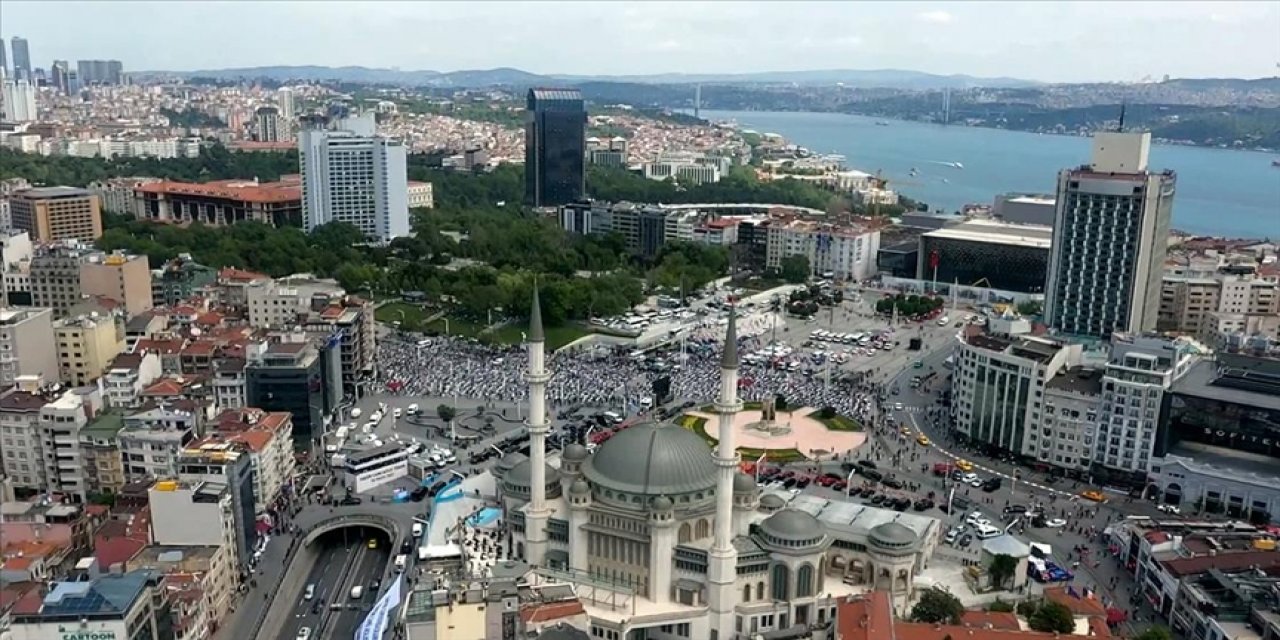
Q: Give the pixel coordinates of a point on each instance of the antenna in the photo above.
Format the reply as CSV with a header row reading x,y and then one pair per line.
x,y
1120,126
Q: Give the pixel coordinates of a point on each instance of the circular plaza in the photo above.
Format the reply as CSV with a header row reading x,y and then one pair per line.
x,y
781,434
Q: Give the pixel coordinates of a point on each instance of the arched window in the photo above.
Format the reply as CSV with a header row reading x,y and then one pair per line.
x,y
684,534
746,593
704,529
804,581
781,577
760,590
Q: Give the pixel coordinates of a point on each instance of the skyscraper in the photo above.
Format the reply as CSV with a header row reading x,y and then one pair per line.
x,y
266,124
60,76
93,72
284,100
4,60
1109,240
351,174
21,59
19,98
555,146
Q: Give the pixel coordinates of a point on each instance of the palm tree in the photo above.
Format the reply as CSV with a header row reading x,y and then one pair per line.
x,y
1002,569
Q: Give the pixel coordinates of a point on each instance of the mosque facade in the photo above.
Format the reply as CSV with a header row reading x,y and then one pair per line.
x,y
662,536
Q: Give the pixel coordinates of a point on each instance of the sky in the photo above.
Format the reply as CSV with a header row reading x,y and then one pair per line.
x,y
1047,41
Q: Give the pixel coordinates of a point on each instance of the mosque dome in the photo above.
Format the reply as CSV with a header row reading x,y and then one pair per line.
x,y
771,502
662,503
892,535
743,483
521,474
579,487
575,452
652,458
792,525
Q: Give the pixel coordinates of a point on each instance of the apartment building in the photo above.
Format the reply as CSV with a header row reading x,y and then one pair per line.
x,y
100,446
229,383
217,462
998,388
22,458
55,276
1139,372
349,326
51,214
179,279
117,194
687,168
844,252
61,421
1241,332
152,439
1072,404
1186,302
86,346
203,581
283,302
194,513
16,252
122,278
127,376
268,439
420,195
294,377
1109,240
27,345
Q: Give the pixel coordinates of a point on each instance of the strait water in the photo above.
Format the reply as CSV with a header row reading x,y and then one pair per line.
x,y
1219,192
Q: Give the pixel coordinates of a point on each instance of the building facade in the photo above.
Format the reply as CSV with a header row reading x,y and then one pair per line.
x,y
122,278
1187,302
554,147
1009,257
128,606
219,203
117,194
843,252
27,345
351,174
1109,241
50,214
86,346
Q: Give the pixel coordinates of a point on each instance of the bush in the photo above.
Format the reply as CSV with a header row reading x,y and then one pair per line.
x,y
937,606
1052,617
1000,606
827,412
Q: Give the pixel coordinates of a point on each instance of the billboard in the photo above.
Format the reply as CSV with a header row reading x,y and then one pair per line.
x,y
375,624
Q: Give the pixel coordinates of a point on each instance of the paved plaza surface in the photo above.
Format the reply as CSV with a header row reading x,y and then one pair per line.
x,y
793,429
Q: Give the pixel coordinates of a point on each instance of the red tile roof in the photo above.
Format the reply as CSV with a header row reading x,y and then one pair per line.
x,y
1081,606
232,274
870,617
234,190
991,619
550,611
1264,560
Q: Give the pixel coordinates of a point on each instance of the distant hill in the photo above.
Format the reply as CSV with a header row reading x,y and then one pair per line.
x,y
880,78
886,78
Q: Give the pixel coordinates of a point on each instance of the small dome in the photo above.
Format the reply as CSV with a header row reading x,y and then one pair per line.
x,y
791,524
771,502
575,452
661,503
507,462
579,487
892,535
743,483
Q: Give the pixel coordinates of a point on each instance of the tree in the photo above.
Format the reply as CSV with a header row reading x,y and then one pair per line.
x,y
1002,569
1027,608
795,268
1000,606
780,402
826,413
1030,308
937,606
1154,633
446,412
1052,617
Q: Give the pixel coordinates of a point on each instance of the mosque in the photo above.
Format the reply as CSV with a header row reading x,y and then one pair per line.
x,y
663,536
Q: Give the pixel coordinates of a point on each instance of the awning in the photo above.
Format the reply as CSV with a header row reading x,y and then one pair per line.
x,y
686,584
1116,616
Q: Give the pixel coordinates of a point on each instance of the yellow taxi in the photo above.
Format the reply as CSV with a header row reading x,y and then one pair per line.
x,y
906,431
922,440
373,543
1095,496
964,465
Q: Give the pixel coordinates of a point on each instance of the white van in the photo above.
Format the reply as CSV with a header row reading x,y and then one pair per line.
x,y
984,531
401,561
311,592
355,413
357,591
942,322
417,529
646,402
612,417
412,410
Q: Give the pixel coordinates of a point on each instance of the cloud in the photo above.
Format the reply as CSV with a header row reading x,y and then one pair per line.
x,y
936,17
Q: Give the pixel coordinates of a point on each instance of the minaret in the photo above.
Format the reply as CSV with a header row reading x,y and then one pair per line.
x,y
537,513
723,570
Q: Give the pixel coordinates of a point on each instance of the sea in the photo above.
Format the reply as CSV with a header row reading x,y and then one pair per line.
x,y
1219,192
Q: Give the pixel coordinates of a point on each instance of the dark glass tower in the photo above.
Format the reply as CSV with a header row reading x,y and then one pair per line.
x,y
555,143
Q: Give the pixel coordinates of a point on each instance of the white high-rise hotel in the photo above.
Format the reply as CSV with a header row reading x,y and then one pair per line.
x,y
351,174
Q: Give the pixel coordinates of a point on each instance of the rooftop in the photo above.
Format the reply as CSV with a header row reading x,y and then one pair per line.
x,y
43,193
106,425
1078,380
995,232
1208,380
111,595
238,190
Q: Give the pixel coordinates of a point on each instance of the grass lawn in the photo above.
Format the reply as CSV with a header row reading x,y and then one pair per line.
x,y
409,315
458,327
837,423
556,336
746,406
698,425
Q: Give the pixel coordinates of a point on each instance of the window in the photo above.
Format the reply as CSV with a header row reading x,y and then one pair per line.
x,y
781,578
